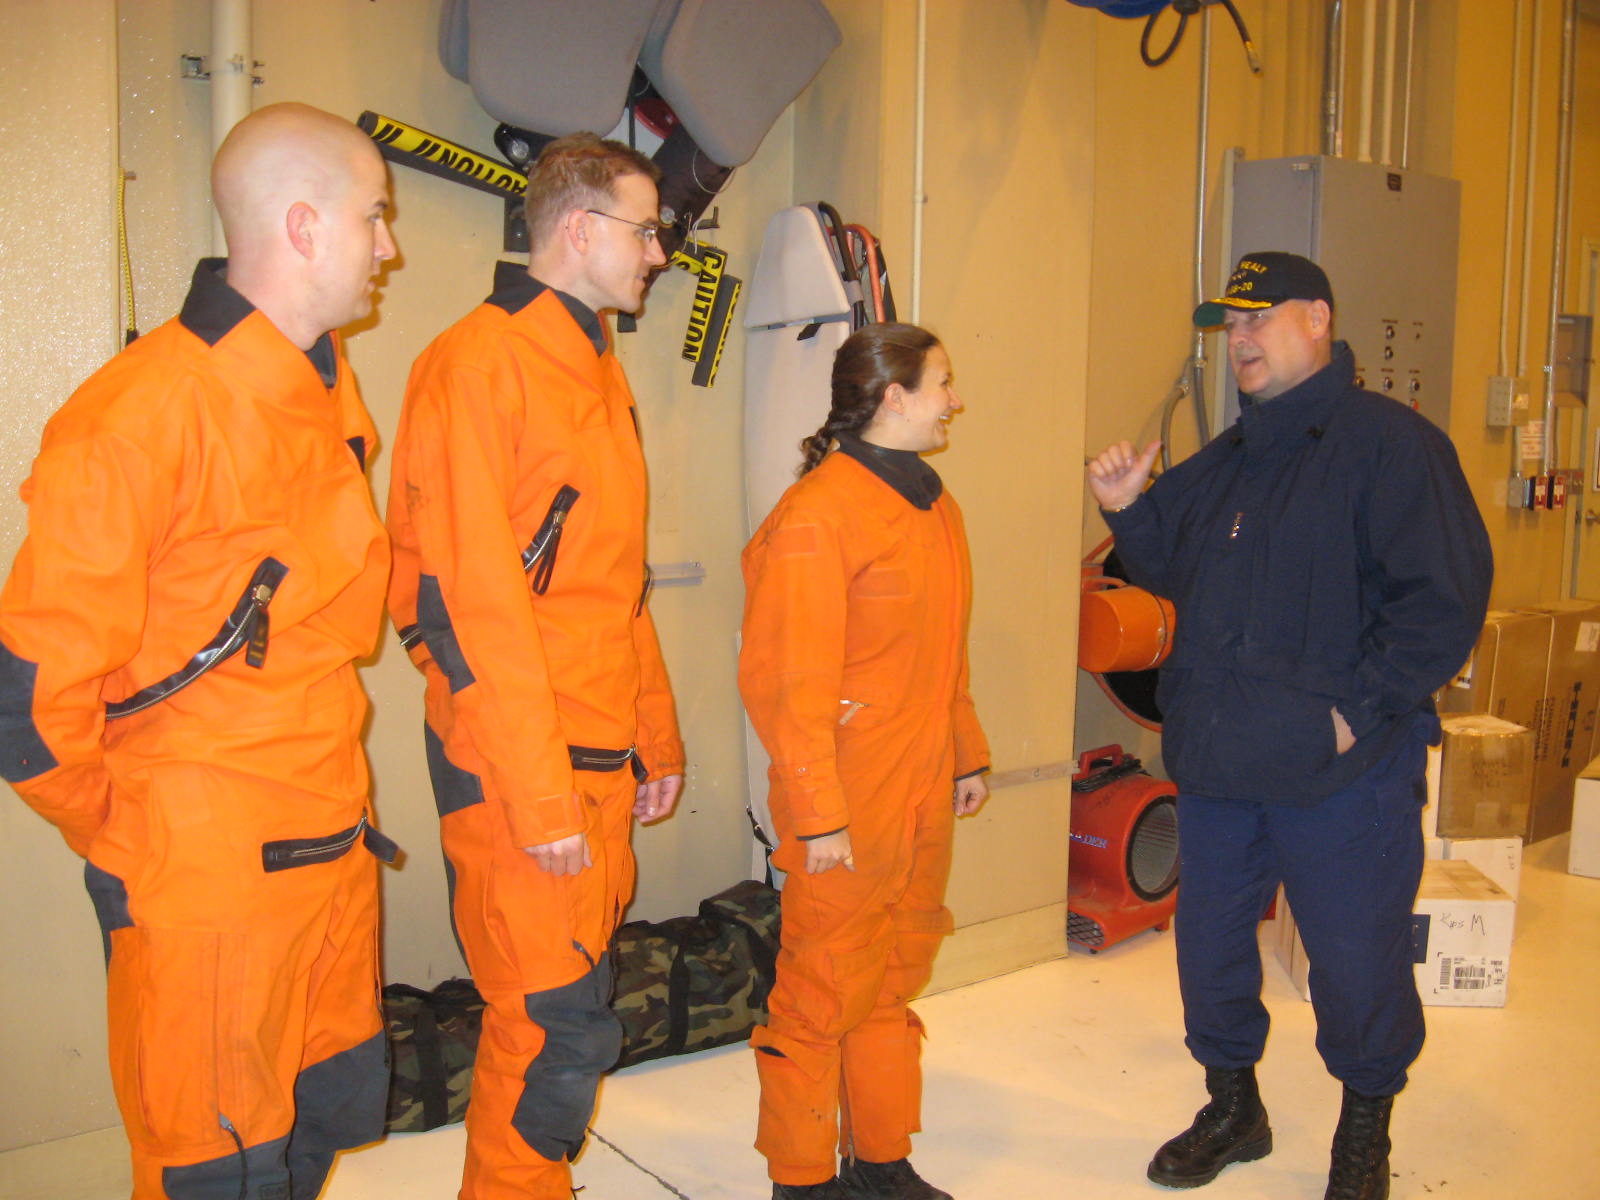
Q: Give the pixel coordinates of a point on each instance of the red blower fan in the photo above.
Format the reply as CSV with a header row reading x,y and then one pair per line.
x,y
1123,861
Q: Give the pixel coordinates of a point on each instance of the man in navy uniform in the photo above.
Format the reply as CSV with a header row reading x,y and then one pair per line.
x,y
1330,571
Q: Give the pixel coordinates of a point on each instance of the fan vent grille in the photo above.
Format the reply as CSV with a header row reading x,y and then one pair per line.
x,y
1084,931
1153,851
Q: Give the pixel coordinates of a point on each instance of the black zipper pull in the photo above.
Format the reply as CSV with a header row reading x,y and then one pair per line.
x,y
259,626
540,556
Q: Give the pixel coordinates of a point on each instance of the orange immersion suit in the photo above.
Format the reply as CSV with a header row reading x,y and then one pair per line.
x,y
854,672
177,694
517,510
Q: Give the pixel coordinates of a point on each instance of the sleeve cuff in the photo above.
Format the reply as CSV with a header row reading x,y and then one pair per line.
x,y
546,819
811,837
660,759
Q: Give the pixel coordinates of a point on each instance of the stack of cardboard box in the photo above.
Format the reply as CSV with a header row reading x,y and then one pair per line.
x,y
1480,786
1539,667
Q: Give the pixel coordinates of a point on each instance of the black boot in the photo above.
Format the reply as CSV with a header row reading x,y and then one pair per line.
x,y
1360,1168
832,1189
1232,1128
886,1181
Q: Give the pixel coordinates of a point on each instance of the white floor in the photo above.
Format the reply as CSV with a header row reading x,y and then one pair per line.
x,y
1060,1080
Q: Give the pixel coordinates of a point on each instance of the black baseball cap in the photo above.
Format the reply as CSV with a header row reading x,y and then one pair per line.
x,y
1265,278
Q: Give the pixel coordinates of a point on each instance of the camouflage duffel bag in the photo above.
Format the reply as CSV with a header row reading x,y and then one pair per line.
x,y
433,1038
690,983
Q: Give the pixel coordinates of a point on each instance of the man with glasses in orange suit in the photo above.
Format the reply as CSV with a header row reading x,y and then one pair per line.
x,y
518,515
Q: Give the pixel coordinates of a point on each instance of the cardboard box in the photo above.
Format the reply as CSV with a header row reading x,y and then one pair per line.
x,y
1564,723
1289,950
1505,675
1584,854
1461,936
1486,772
1498,858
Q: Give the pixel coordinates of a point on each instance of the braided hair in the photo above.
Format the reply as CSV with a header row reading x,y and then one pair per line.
x,y
870,359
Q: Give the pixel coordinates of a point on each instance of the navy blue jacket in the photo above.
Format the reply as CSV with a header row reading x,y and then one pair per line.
x,y
1325,550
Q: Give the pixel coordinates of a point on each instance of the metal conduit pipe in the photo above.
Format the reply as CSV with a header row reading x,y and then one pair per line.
x,y
1558,240
1511,180
1197,362
1369,57
1528,181
1411,41
1333,81
918,162
1390,55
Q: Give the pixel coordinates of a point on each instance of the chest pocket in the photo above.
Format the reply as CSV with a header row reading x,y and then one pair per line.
x,y
883,583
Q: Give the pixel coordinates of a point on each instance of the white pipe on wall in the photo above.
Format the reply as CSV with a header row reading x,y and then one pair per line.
x,y
1511,183
1528,181
920,107
232,79
1558,237
1405,112
1390,56
1369,67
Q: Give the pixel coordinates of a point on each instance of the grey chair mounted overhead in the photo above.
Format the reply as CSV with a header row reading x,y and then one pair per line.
x,y
728,68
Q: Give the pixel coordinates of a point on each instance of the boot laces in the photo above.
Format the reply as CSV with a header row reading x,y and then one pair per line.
x,y
1360,1150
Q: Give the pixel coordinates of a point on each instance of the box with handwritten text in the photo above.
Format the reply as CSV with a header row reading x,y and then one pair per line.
x,y
1461,936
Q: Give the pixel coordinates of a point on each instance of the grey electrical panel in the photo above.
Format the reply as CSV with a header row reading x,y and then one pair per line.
x,y
1387,239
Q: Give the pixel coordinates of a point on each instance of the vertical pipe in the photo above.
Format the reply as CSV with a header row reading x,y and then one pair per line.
x,y
917,162
1197,364
1369,67
1203,106
232,74
1343,79
1511,183
1333,80
1390,55
1558,238
1411,59
1528,179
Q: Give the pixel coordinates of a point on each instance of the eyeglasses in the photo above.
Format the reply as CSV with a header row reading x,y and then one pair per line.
x,y
646,231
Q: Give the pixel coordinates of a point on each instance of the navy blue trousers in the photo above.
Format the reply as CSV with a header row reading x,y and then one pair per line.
x,y
1350,865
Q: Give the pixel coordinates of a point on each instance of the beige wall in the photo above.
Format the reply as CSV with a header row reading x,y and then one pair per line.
x,y
1528,546
58,322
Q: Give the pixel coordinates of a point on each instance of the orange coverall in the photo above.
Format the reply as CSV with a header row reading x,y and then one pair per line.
x,y
507,414
207,472
854,672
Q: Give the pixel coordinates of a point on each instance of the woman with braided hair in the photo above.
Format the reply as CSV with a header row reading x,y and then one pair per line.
x,y
854,672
